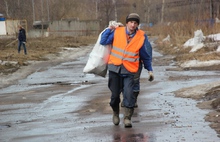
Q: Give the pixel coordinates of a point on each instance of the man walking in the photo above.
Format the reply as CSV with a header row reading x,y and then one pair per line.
x,y
128,49
22,39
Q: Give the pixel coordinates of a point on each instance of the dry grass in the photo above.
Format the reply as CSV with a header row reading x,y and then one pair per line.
x,y
37,48
180,32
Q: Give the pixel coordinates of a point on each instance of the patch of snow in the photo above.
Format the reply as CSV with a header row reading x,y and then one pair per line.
x,y
218,49
167,38
197,47
13,63
215,37
196,91
198,38
197,43
196,63
217,20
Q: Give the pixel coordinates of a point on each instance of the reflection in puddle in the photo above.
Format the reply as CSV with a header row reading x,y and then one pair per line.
x,y
139,137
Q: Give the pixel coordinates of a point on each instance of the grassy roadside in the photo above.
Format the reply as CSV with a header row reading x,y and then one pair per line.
x,y
179,33
37,48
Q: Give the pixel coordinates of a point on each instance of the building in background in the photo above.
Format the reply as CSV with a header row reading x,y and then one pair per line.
x,y
2,25
9,27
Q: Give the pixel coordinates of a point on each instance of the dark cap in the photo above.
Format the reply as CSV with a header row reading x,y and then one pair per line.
x,y
133,17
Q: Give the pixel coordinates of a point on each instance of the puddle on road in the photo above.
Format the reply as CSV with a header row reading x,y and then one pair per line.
x,y
139,137
69,73
4,126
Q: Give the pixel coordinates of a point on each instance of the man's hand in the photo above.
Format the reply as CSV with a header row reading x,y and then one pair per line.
x,y
151,76
24,42
113,25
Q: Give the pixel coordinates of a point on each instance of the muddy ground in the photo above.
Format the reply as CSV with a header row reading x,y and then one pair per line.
x,y
208,95
40,50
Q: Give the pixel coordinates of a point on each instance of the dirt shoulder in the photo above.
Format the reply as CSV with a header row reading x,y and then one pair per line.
x,y
42,52
208,94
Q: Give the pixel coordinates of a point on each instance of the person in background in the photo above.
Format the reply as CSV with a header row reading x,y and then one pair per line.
x,y
128,49
21,39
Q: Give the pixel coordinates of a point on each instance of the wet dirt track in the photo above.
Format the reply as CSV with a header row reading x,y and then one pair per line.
x,y
60,104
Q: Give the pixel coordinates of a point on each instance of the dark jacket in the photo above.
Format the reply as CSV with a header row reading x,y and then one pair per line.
x,y
22,35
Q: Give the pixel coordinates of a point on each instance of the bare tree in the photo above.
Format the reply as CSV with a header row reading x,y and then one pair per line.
x,y
154,11
6,8
106,9
162,11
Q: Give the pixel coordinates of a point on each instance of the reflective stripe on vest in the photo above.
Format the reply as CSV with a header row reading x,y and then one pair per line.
x,y
126,54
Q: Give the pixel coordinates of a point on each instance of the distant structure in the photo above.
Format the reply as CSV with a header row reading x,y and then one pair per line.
x,y
74,27
40,25
2,25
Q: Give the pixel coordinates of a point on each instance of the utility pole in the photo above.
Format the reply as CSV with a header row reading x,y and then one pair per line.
x,y
42,18
148,11
42,11
217,14
116,16
48,11
162,11
96,9
7,11
33,11
211,9
145,11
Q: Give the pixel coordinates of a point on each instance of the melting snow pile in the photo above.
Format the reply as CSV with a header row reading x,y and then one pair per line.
x,y
196,43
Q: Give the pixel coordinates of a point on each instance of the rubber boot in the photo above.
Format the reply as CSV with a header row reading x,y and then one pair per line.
x,y
136,96
115,118
127,117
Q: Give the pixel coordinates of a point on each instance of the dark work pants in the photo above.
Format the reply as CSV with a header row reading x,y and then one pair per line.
x,y
19,47
136,87
118,83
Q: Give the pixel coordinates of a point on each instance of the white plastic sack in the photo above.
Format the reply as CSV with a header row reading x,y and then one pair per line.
x,y
98,58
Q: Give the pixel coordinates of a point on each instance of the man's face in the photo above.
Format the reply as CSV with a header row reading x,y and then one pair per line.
x,y
131,26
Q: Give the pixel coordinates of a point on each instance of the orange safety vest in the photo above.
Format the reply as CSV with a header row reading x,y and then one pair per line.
x,y
126,53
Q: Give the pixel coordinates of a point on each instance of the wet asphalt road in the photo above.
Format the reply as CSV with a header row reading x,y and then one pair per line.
x,y
61,104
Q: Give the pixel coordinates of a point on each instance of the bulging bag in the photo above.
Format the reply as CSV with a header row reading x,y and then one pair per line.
x,y
98,59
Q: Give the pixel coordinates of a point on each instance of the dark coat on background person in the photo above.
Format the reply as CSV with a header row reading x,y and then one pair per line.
x,y
22,35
